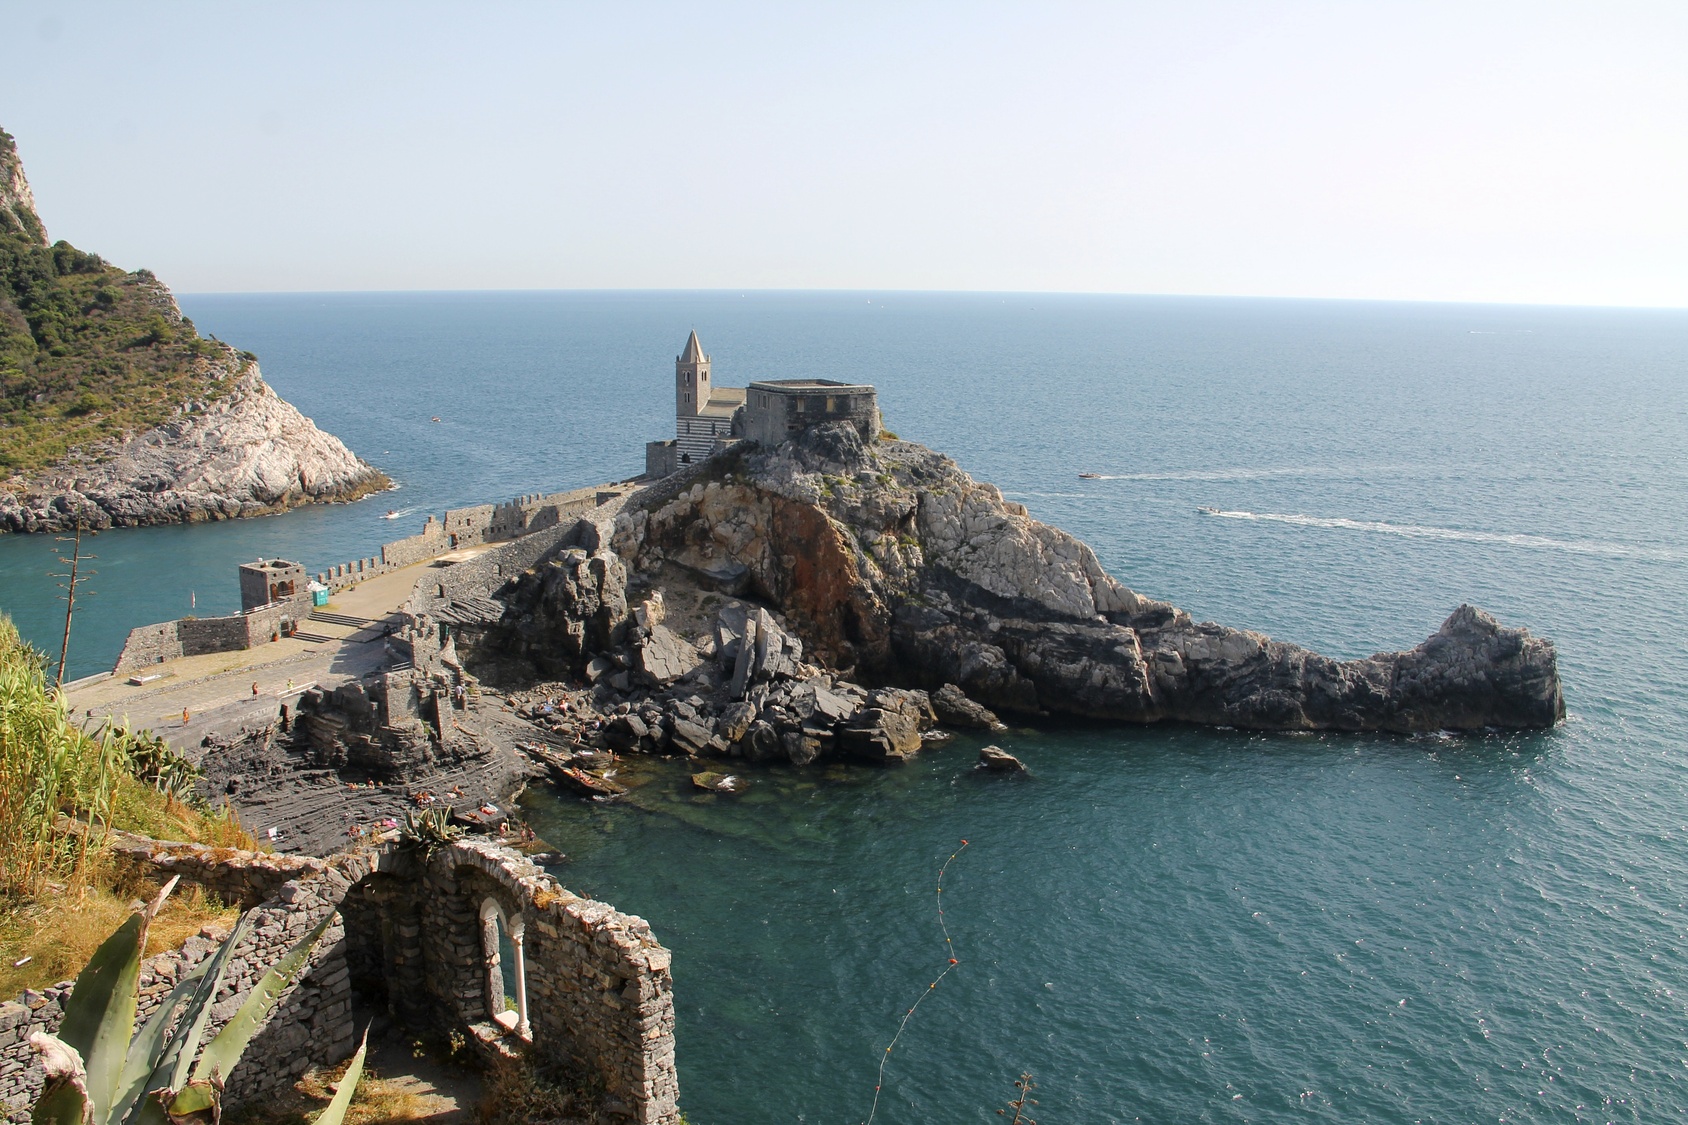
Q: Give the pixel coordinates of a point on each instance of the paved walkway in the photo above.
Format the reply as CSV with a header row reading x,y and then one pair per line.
x,y
341,641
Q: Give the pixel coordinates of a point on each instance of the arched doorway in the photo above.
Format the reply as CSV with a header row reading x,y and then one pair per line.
x,y
505,1008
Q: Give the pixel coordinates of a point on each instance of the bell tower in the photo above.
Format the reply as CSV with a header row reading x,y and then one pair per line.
x,y
691,380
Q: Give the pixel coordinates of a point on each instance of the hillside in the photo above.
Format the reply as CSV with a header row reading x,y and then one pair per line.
x,y
97,362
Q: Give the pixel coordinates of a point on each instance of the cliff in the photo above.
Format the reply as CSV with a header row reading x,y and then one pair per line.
x,y
113,408
895,567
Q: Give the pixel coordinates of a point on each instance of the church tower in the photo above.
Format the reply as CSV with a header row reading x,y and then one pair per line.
x,y
691,380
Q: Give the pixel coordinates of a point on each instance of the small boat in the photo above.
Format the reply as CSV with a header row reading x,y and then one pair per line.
x,y
587,784
435,418
392,514
1090,476
1208,511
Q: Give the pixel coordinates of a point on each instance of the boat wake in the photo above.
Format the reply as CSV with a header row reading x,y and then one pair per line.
x,y
400,513
1419,531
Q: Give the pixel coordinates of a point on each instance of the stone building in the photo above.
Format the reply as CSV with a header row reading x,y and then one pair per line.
x,y
769,412
269,581
779,409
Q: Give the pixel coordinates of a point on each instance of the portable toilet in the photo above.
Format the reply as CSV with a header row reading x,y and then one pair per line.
x,y
319,593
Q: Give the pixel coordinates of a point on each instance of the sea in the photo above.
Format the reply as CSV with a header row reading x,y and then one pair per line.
x,y
1166,923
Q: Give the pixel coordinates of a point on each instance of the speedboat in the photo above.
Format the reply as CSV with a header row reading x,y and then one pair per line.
x,y
1090,476
392,514
1208,511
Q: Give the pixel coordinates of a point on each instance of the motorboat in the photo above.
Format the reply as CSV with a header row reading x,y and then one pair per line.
x,y
1090,476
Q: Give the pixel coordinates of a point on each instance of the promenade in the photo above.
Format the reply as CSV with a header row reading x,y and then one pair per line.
x,y
341,641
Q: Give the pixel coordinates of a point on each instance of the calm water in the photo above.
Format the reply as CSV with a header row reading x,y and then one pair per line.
x,y
1169,924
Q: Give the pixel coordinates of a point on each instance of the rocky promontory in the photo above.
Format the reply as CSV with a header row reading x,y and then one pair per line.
x,y
834,595
903,569
115,411
246,452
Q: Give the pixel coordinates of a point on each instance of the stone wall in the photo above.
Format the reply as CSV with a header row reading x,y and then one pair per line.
x,y
410,940
780,409
312,1025
198,636
523,517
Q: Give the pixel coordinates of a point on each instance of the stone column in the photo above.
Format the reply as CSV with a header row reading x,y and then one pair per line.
x,y
523,1028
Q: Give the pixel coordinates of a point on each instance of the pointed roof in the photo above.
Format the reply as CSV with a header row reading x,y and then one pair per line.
x,y
694,350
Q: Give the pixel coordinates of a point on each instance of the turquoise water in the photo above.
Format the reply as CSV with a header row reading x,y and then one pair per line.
x,y
1167,924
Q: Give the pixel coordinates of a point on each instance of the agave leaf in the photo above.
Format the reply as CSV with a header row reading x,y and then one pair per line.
x,y
201,1103
145,1048
336,1111
224,1051
99,1017
65,1099
172,1069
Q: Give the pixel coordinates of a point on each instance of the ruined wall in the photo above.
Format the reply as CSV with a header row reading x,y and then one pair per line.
x,y
409,940
312,1025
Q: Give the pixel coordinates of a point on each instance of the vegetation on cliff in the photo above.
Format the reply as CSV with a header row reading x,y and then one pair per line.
x,y
88,351
62,791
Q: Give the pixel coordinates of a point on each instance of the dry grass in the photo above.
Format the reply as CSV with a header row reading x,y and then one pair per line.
x,y
60,932
378,1101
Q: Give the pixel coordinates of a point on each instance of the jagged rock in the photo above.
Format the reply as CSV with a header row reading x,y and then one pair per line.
x,y
954,709
762,743
878,735
664,657
651,612
890,561
689,737
735,721
245,453
567,612
997,760
801,747
913,704
626,732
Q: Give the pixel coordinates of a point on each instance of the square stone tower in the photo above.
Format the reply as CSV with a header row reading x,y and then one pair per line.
x,y
264,582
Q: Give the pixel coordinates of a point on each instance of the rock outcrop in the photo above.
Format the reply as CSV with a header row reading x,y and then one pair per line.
x,y
897,567
247,452
124,414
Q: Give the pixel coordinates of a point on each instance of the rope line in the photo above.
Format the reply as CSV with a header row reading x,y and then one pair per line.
x,y
949,950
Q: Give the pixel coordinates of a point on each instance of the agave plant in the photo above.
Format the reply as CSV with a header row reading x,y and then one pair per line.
x,y
100,1071
427,830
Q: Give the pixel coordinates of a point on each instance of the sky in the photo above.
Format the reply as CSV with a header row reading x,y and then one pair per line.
x,y
1531,152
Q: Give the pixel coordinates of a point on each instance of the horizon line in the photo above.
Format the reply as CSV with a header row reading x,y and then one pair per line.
x,y
844,290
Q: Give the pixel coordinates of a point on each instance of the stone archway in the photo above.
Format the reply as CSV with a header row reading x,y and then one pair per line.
x,y
496,923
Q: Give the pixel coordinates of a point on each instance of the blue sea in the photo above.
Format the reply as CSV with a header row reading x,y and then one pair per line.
x,y
1166,924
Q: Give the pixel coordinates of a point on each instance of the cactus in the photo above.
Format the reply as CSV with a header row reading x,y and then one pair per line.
x,y
101,1072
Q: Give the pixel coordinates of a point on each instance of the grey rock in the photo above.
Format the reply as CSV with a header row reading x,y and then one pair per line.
x,y
954,709
878,735
997,760
664,657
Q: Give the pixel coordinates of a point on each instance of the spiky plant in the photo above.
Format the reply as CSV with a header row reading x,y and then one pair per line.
x,y
101,1072
427,830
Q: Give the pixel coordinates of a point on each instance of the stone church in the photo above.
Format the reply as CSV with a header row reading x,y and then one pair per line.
x,y
768,411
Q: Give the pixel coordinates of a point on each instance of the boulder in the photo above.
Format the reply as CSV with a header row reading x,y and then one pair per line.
x,y
735,721
664,657
878,735
954,709
995,759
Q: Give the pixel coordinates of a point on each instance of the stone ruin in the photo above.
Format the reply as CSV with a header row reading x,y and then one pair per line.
x,y
416,945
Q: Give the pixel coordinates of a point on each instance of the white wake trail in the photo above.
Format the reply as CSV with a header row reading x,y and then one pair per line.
x,y
1507,539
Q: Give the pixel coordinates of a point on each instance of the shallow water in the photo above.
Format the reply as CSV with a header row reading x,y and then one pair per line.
x,y
1169,923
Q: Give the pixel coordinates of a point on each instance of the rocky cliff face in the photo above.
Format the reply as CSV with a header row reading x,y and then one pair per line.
x,y
114,411
897,567
247,452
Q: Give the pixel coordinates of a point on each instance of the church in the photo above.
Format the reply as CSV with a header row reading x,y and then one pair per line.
x,y
769,411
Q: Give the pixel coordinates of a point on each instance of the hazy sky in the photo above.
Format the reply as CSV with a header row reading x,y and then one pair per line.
x,y
1530,151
